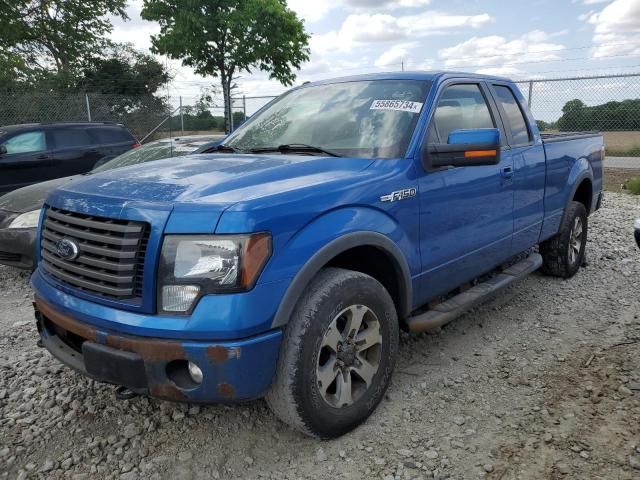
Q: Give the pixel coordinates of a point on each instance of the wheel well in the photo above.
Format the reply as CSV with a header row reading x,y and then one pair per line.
x,y
378,264
584,194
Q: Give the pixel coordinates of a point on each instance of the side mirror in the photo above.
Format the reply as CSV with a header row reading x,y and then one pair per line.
x,y
3,149
464,148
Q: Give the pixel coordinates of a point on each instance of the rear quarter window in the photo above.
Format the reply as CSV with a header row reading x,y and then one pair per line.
x,y
111,135
515,117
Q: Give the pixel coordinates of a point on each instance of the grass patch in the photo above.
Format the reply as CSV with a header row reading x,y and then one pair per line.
x,y
633,185
633,151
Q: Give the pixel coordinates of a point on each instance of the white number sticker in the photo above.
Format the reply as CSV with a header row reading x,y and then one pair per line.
x,y
397,105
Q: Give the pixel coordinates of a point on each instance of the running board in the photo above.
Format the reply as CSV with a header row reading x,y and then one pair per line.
x,y
451,309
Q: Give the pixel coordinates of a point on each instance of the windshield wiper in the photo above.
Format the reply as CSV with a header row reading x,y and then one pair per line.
x,y
295,147
225,148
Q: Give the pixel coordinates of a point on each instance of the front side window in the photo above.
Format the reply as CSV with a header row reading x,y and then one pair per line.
x,y
368,119
26,143
461,107
515,118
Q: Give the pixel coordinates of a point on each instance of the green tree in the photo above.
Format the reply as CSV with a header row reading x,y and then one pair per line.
x,y
53,35
223,38
123,70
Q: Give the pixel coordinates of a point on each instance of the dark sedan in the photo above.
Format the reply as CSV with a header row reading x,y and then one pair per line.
x,y
637,232
20,209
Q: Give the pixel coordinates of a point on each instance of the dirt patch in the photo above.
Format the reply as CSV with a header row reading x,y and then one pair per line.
x,y
615,178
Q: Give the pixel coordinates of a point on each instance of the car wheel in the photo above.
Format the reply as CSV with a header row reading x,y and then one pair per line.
x,y
337,356
564,254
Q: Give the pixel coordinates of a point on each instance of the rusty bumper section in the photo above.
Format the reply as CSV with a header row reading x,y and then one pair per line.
x,y
232,371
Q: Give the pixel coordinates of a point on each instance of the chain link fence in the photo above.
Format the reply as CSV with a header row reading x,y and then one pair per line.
x,y
610,104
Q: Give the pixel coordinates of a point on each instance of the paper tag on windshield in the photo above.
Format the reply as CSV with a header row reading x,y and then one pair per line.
x,y
397,105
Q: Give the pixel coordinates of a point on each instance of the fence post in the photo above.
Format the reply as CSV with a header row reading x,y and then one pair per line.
x,y
530,93
181,116
244,107
86,98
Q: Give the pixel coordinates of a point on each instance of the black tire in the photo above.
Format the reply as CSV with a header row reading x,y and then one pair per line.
x,y
295,395
555,252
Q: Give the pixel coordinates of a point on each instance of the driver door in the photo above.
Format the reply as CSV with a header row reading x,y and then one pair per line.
x,y
466,213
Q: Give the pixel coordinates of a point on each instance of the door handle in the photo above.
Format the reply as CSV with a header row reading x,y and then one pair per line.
x,y
42,156
506,172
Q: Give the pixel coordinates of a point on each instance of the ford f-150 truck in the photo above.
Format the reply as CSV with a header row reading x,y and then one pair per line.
x,y
285,264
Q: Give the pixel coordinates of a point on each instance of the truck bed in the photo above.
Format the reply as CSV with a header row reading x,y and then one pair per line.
x,y
565,136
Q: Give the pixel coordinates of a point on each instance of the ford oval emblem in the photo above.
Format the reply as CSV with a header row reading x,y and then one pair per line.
x,y
67,249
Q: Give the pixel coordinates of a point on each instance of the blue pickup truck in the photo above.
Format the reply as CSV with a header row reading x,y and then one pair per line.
x,y
285,264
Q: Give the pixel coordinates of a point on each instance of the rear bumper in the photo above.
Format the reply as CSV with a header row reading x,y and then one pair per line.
x,y
232,370
18,247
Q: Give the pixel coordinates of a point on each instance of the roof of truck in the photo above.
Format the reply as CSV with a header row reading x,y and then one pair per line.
x,y
417,75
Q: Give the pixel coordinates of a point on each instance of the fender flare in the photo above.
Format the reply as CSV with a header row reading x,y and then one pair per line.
x,y
330,251
585,175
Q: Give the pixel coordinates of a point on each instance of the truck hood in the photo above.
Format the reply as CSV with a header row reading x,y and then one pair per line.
x,y
215,178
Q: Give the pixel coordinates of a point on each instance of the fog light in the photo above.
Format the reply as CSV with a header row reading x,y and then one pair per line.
x,y
179,298
195,372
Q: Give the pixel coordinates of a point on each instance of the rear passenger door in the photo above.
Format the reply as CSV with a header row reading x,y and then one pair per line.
x,y
74,150
529,168
466,213
26,161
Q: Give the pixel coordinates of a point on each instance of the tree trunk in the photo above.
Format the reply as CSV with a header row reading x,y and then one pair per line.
x,y
228,108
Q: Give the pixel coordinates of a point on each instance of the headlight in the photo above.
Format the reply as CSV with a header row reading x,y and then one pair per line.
x,y
192,266
26,220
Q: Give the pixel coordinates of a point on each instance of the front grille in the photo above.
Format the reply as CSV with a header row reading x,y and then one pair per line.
x,y
111,253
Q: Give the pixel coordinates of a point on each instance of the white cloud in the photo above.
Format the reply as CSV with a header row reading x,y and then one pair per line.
x,y
617,29
496,52
315,10
395,55
365,28
511,72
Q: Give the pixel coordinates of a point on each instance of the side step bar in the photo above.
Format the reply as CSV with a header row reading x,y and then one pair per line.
x,y
451,309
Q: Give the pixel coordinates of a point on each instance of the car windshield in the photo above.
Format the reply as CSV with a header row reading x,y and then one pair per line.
x,y
369,119
152,151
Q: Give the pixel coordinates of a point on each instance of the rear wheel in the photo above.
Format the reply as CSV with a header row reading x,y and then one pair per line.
x,y
337,356
565,253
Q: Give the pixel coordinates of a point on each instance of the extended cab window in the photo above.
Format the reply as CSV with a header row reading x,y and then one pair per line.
x,y
515,118
460,107
368,119
70,138
26,143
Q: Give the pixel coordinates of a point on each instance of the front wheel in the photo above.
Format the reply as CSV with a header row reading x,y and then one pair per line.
x,y
337,356
564,254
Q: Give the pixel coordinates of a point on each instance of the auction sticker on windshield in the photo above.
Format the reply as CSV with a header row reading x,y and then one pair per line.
x,y
397,105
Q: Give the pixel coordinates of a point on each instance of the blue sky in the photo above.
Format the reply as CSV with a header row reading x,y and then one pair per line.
x,y
532,39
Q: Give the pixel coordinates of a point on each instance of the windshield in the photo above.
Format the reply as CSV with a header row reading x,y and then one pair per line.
x,y
369,119
150,152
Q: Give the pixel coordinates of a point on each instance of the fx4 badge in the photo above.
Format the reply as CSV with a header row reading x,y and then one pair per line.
x,y
399,195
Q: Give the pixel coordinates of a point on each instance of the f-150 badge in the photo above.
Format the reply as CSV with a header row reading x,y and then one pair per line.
x,y
399,195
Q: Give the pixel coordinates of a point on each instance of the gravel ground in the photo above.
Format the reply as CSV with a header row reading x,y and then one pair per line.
x,y
541,383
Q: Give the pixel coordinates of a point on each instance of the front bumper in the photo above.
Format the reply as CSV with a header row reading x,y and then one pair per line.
x,y
232,370
18,247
